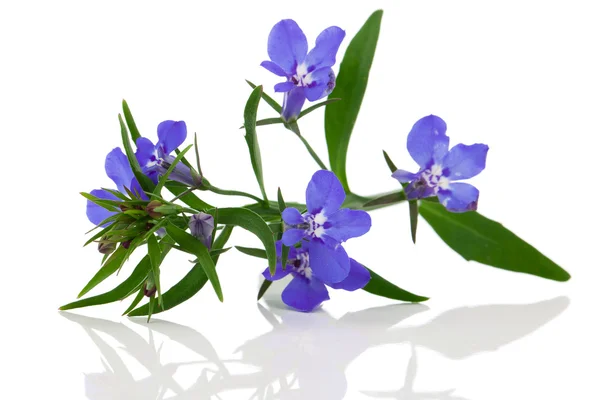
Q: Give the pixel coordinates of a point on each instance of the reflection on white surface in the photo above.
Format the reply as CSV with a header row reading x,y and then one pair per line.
x,y
302,356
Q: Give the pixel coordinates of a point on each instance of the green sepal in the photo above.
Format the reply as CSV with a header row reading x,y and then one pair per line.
x,y
318,105
263,288
135,301
252,251
133,130
274,104
111,265
164,178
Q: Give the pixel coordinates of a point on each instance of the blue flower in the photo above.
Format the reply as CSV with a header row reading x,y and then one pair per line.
x,y
308,74
155,160
307,289
428,146
118,169
325,226
201,227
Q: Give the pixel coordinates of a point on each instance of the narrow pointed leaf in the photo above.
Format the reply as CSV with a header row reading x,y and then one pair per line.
x,y
164,178
155,259
145,182
252,222
138,276
389,162
135,301
319,105
190,198
133,130
252,139
413,209
477,238
189,285
252,251
381,287
193,245
351,84
274,105
263,288
111,265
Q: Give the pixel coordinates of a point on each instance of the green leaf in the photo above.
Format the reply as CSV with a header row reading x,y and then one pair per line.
x,y
252,251
190,198
110,205
267,98
145,182
381,287
280,201
135,301
189,285
252,222
110,267
197,152
413,210
220,242
164,178
117,194
314,107
263,288
155,259
251,138
477,238
151,303
350,86
98,235
284,249
385,200
389,162
135,133
194,246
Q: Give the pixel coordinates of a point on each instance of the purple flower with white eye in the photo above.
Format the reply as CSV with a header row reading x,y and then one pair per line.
x,y
308,74
201,227
118,169
155,160
428,146
307,289
325,226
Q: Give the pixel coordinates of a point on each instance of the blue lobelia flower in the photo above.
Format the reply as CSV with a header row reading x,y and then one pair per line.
x,y
155,160
428,146
307,289
308,74
202,226
325,226
118,169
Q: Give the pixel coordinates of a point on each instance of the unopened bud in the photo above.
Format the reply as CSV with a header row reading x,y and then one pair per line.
x,y
151,209
149,289
106,247
126,244
168,209
202,226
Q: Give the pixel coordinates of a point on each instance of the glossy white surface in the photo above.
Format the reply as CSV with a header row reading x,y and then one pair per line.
x,y
521,77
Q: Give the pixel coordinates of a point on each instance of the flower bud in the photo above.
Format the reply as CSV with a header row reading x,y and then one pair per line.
x,y
151,209
149,288
202,226
106,247
126,244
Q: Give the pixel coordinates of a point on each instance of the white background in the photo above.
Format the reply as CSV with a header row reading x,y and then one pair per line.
x,y
522,77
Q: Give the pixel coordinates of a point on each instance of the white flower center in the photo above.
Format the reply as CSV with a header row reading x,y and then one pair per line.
x,y
304,268
434,178
315,224
302,77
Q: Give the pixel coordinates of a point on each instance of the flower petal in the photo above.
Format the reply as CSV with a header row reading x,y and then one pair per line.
x,y
171,134
292,103
347,224
328,264
324,193
358,277
279,271
464,162
272,67
287,46
292,216
321,85
326,47
284,87
460,197
118,169
145,151
304,294
292,236
427,140
96,213
404,176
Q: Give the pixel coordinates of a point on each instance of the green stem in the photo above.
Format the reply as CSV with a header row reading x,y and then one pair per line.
x,y
294,128
180,195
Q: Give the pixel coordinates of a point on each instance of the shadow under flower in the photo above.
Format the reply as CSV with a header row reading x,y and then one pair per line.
x,y
305,356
